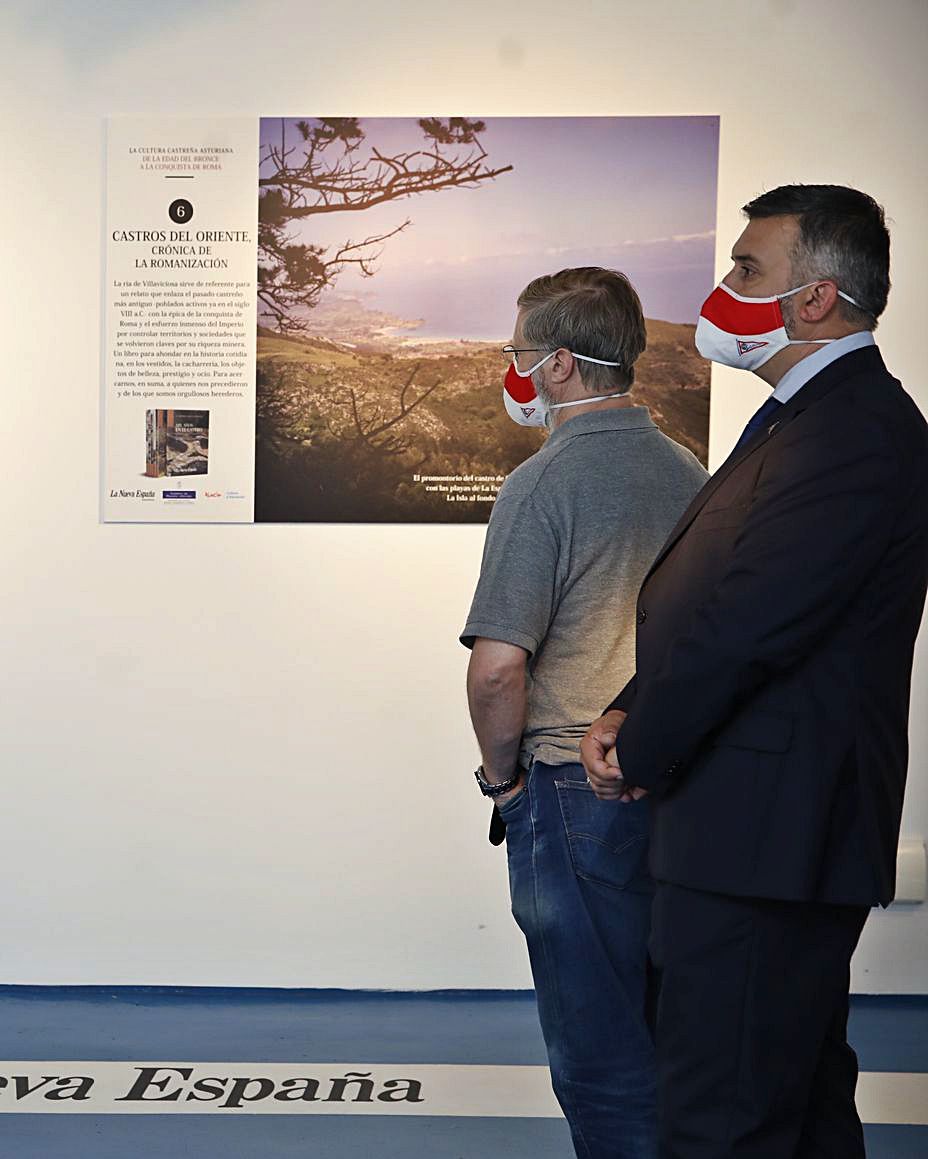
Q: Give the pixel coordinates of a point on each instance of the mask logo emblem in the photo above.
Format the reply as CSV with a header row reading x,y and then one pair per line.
x,y
528,411
746,347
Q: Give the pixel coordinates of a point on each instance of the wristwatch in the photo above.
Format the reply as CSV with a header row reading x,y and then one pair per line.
x,y
489,789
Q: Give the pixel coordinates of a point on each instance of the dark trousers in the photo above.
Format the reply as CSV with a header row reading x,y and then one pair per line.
x,y
752,1053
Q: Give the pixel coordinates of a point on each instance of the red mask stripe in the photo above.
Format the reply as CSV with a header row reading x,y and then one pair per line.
x,y
736,317
522,390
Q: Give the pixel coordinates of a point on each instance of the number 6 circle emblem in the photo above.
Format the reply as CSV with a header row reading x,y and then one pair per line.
x,y
180,211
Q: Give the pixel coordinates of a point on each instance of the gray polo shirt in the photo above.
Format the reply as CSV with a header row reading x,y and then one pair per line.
x,y
572,533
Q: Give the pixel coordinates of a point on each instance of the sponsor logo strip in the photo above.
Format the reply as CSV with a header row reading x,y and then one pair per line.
x,y
275,1088
477,1091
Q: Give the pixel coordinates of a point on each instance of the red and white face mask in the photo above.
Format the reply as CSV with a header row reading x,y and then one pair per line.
x,y
746,332
521,399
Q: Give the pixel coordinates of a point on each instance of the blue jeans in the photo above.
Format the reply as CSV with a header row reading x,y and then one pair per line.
x,y
581,894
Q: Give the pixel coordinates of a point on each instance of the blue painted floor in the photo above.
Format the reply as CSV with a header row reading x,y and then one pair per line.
x,y
200,1137
890,1034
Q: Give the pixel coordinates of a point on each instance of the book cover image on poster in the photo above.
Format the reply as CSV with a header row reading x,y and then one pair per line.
x,y
391,252
176,442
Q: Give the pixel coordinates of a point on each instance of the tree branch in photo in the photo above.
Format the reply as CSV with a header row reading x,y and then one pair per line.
x,y
372,425
292,279
332,168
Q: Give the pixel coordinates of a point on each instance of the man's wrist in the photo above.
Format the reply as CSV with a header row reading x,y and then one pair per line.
x,y
494,786
517,788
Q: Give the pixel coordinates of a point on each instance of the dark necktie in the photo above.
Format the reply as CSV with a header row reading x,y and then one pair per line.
x,y
770,407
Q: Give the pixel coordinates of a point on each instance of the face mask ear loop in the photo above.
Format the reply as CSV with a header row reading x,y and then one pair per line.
x,y
840,293
598,397
528,373
583,358
581,401
817,341
855,303
598,361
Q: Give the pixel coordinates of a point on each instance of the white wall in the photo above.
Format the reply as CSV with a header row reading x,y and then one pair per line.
x,y
240,755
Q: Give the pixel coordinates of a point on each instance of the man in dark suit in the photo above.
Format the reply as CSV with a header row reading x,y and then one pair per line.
x,y
768,715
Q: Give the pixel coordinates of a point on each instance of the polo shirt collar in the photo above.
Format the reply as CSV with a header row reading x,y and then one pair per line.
x,y
621,418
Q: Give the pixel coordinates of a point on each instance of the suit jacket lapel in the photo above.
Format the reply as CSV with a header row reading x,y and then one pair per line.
x,y
867,358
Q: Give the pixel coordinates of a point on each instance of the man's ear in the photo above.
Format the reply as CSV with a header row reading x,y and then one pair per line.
x,y
562,365
817,302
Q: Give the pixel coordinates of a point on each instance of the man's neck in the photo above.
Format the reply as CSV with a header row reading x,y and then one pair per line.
x,y
784,360
559,417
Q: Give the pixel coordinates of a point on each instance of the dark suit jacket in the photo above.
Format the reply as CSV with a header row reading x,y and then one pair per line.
x,y
769,712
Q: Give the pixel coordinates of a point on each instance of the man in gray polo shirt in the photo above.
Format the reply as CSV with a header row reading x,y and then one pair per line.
x,y
552,633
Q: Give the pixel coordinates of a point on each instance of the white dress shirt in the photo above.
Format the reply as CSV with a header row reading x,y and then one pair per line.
x,y
797,376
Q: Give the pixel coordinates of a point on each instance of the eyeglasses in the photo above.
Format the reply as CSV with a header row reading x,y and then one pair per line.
x,y
512,352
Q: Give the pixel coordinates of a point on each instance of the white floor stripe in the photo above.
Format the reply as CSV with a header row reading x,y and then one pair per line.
x,y
275,1088
131,1088
884,1097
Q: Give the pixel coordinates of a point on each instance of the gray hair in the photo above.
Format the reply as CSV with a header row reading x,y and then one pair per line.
x,y
842,237
589,310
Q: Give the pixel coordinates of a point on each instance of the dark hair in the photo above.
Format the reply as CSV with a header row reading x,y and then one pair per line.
x,y
842,236
588,310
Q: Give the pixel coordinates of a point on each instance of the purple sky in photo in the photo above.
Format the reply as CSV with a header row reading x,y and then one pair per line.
x,y
634,193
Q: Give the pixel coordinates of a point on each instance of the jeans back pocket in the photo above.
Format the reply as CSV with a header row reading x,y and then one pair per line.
x,y
608,840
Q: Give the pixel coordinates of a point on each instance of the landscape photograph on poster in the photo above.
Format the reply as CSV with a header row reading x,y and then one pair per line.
x,y
391,252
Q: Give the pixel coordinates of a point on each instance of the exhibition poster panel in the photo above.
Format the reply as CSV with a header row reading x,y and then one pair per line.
x,y
180,301
305,316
